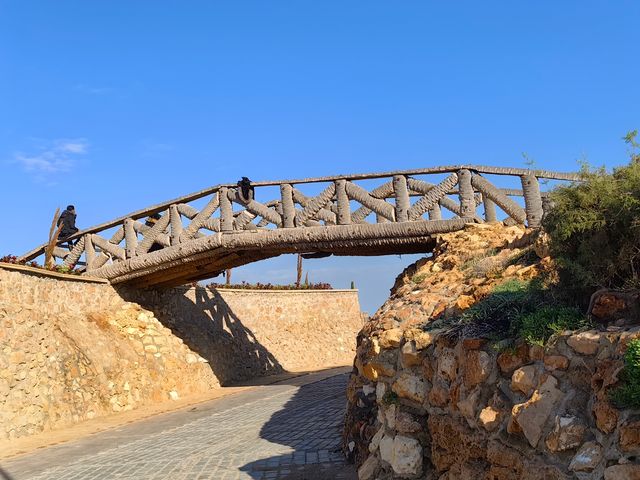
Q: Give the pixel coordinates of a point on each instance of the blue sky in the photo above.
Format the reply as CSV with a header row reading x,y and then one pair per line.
x,y
117,105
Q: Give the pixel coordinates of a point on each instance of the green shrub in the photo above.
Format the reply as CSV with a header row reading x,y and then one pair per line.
x,y
627,395
517,309
594,227
418,277
493,316
538,326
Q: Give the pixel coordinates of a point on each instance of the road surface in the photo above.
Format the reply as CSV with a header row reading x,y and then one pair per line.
x,y
289,430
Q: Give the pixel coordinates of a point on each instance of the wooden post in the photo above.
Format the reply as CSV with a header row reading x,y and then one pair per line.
x,y
226,212
89,252
532,200
401,193
489,209
435,213
299,271
467,202
176,224
342,200
288,207
130,238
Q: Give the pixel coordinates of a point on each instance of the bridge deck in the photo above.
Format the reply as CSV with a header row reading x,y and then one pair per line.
x,y
174,243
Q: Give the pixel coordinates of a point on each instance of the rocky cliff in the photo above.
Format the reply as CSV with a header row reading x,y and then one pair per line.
x,y
428,399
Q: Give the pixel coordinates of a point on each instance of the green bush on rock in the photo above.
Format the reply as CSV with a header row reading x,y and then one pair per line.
x,y
594,227
518,309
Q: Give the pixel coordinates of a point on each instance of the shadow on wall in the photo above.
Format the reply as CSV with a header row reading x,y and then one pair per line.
x,y
310,423
208,326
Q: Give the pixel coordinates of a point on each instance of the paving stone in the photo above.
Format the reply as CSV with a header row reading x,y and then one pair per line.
x,y
292,434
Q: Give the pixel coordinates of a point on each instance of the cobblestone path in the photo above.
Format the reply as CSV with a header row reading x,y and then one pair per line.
x,y
279,431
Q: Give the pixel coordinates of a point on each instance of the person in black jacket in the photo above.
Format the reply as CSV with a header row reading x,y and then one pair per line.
x,y
246,190
67,224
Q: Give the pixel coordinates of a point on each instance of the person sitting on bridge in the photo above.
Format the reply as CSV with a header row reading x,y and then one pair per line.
x,y
150,222
246,189
67,224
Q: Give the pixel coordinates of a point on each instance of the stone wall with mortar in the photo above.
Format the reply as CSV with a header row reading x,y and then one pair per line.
x,y
246,333
424,404
72,351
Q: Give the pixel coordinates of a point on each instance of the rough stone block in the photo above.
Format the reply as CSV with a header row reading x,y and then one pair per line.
x,y
587,458
585,343
407,456
410,386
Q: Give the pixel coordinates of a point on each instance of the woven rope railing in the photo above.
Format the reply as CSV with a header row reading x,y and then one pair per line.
x,y
405,197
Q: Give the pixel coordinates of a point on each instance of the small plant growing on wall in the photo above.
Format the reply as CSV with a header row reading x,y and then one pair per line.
x,y
390,397
627,395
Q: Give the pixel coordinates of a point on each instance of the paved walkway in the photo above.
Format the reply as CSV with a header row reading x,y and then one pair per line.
x,y
287,431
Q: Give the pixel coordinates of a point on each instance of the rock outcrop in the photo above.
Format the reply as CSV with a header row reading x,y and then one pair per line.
x,y
429,405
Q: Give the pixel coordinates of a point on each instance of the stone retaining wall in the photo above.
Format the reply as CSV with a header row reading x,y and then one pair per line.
x,y
245,333
71,351
426,401
460,410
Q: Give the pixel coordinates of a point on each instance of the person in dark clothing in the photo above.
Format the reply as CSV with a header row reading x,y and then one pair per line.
x,y
246,189
150,222
67,224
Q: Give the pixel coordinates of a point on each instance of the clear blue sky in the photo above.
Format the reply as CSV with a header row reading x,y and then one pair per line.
x,y
117,105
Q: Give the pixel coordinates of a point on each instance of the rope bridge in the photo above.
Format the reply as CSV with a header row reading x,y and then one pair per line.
x,y
174,242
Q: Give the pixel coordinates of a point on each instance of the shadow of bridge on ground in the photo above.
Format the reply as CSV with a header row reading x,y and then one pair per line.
x,y
308,428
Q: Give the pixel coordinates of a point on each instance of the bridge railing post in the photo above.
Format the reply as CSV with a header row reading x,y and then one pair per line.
x,y
465,189
342,201
288,207
130,238
435,213
89,251
226,210
489,209
176,224
401,193
532,200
